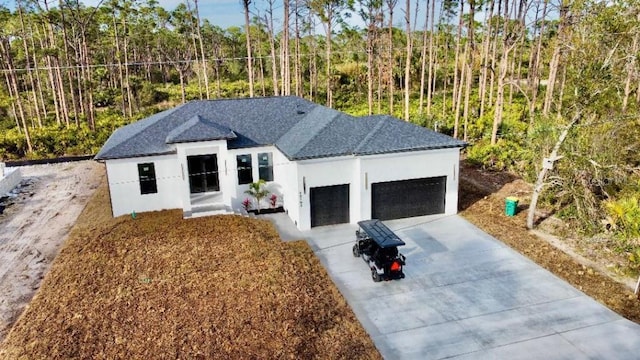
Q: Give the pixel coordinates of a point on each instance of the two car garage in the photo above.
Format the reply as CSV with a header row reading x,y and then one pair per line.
x,y
389,200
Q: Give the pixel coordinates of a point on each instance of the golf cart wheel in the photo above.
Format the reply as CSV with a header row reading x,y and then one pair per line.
x,y
356,251
375,276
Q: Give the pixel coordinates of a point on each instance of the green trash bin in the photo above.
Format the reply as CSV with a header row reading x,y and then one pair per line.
x,y
511,206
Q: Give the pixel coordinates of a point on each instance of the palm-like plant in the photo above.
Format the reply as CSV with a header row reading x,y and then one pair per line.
x,y
257,190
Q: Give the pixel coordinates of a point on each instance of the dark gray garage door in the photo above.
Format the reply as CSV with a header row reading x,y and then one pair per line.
x,y
329,205
408,198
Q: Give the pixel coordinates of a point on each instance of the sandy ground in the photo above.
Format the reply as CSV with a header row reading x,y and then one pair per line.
x,y
34,227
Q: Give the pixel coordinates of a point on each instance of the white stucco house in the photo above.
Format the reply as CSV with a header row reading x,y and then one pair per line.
x,y
325,166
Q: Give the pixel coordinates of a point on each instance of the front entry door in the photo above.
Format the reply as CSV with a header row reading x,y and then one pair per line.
x,y
203,173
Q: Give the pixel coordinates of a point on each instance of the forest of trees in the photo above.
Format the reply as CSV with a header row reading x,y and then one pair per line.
x,y
525,82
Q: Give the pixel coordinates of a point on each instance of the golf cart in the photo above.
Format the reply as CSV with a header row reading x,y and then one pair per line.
x,y
378,247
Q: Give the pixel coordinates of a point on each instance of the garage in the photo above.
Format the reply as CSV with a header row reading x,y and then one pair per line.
x,y
329,205
408,198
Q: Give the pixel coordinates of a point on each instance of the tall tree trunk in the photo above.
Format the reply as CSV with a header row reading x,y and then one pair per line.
x,y
555,58
407,68
6,51
631,68
504,68
247,29
313,60
88,80
470,49
458,100
534,67
329,29
432,59
68,64
14,109
285,49
547,164
127,75
456,85
27,58
390,65
205,68
371,20
423,58
116,40
195,49
486,42
494,54
298,62
272,48
55,74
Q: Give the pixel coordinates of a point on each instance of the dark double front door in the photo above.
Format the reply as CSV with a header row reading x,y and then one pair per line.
x,y
203,173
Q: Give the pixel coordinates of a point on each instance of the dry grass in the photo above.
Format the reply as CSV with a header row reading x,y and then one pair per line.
x,y
162,287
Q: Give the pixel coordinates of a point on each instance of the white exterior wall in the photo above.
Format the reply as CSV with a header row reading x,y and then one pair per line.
x,y
410,165
124,184
361,172
9,179
283,173
219,148
285,181
327,172
292,179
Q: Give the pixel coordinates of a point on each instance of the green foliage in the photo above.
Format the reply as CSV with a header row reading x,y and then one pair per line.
x,y
258,191
625,214
13,144
149,94
501,156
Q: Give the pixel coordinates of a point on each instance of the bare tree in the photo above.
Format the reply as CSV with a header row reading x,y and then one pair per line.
x,y
391,4
407,68
205,68
245,4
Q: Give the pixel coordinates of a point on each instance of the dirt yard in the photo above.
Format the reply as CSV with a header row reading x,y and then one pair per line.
x,y
34,226
161,287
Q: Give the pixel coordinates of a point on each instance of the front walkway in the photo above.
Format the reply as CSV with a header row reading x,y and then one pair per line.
x,y
468,296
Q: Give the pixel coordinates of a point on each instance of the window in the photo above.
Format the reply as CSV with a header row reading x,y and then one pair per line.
x,y
147,176
245,175
265,166
203,173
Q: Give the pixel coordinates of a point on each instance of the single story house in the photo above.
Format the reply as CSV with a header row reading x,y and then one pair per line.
x,y
326,167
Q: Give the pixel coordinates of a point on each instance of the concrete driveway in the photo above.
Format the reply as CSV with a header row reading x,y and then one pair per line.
x,y
468,296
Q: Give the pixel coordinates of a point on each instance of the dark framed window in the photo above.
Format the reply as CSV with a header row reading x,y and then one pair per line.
x,y
147,176
203,173
265,166
245,173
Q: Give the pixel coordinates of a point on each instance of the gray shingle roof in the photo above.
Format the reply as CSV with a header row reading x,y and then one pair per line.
x,y
199,129
299,128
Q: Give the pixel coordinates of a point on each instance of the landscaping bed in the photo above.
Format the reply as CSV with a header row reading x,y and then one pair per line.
x,y
158,286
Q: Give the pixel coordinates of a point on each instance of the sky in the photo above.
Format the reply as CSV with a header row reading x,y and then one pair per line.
x,y
226,13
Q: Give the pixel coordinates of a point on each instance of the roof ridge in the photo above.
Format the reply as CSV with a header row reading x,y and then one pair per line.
x,y
302,128
179,131
374,130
